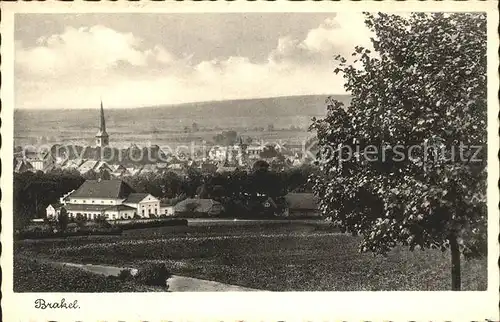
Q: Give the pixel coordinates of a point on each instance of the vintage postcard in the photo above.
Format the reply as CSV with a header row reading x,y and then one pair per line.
x,y
250,161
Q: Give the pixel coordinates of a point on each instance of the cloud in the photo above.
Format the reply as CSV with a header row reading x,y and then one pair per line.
x,y
95,49
90,62
333,36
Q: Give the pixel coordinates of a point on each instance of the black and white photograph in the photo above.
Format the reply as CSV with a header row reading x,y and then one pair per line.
x,y
327,151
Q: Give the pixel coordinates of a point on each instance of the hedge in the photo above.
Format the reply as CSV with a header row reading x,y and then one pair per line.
x,y
151,223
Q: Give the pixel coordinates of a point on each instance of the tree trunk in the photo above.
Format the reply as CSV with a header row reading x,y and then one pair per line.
x,y
455,264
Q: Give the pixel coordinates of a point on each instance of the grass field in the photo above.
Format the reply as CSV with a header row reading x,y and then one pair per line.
x,y
269,256
32,275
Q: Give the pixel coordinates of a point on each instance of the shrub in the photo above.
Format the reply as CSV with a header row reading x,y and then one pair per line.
x,y
124,275
148,223
153,274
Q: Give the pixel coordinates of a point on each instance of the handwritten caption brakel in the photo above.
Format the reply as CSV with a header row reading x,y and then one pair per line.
x,y
43,304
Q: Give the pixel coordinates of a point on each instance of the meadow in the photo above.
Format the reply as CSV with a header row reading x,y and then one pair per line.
x,y
269,256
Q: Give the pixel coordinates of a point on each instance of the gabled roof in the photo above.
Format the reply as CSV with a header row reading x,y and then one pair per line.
x,y
202,205
136,197
223,169
87,166
116,167
271,202
74,163
108,189
23,166
55,205
102,164
301,201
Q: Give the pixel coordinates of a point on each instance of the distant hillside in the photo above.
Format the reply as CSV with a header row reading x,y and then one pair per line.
x,y
167,123
307,105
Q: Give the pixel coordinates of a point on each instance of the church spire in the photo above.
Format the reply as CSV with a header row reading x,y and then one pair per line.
x,y
102,137
103,121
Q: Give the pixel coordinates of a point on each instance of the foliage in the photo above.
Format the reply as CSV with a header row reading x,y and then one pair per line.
x,y
63,219
424,87
41,234
125,275
153,274
33,192
226,138
147,223
269,151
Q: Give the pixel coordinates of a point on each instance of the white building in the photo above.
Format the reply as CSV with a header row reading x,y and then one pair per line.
x,y
52,211
110,199
167,210
145,204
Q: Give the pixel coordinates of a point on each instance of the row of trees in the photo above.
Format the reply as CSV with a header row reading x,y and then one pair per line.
x,y
33,192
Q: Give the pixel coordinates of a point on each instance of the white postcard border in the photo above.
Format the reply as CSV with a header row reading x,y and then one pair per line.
x,y
288,306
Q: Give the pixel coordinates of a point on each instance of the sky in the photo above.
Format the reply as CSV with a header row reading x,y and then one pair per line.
x,y
138,59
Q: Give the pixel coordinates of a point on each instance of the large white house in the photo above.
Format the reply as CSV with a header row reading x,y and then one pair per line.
x,y
110,199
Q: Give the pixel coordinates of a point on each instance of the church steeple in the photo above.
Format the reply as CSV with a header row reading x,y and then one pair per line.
x,y
103,121
102,137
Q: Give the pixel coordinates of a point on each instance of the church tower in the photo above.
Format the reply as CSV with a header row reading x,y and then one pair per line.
x,y
102,137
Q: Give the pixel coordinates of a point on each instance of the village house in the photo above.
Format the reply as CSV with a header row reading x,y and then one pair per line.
x,y
52,211
41,161
167,209
198,208
301,205
253,151
118,171
22,165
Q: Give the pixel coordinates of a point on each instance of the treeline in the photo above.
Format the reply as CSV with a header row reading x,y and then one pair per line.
x,y
238,191
260,181
33,192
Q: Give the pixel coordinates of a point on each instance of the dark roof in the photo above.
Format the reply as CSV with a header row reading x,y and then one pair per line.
x,y
271,202
115,189
301,201
136,197
202,205
22,166
56,205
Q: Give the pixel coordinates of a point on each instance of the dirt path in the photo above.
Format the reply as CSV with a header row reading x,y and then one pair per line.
x,y
176,283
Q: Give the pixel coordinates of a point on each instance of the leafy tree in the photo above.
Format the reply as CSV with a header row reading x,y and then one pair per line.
x,y
226,138
63,219
425,87
260,165
33,192
269,151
